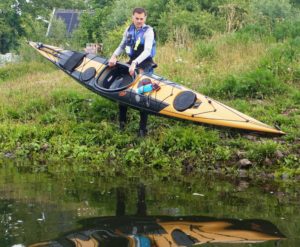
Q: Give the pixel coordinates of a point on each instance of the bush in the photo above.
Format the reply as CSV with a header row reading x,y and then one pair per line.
x,y
287,29
204,49
259,152
253,30
189,139
282,60
258,84
113,38
58,34
271,10
270,13
198,23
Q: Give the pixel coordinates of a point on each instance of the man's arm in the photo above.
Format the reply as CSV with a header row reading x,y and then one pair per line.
x,y
113,60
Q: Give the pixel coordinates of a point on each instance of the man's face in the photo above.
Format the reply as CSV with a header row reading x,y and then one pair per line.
x,y
139,19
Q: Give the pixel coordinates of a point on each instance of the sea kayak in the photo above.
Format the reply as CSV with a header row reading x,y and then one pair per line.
x,y
148,92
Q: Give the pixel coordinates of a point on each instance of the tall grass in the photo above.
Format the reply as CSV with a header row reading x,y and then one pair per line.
x,y
46,115
207,62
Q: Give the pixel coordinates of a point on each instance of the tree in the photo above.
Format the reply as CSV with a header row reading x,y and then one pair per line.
x,y
10,26
234,15
58,33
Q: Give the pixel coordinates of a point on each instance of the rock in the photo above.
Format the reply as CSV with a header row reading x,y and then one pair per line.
x,y
222,136
188,168
278,154
270,175
242,174
45,147
240,154
8,155
218,170
242,185
285,176
268,162
244,164
217,166
251,137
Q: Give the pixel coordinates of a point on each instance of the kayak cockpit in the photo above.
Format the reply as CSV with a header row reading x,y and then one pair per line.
x,y
115,78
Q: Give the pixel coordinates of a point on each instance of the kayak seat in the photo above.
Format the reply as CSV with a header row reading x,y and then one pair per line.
x,y
184,100
121,81
115,78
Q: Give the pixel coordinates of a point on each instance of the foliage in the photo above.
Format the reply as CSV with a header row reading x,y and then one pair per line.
x,y
198,23
13,71
273,10
287,29
91,27
113,38
254,67
235,16
10,27
58,33
24,18
270,13
205,49
259,152
256,84
282,60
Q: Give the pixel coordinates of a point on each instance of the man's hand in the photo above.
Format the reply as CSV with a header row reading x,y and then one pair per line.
x,y
132,68
112,61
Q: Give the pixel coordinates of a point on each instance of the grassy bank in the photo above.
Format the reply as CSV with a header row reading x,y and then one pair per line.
x,y
46,116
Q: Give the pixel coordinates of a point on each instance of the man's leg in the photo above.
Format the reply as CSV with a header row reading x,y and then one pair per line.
x,y
143,117
143,123
122,116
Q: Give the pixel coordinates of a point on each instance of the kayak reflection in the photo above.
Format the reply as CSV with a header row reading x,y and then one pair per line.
x,y
166,231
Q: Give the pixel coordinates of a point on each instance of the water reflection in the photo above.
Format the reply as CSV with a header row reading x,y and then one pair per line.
x,y
75,209
166,231
141,230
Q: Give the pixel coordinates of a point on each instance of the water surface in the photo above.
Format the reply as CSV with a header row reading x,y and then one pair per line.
x,y
75,207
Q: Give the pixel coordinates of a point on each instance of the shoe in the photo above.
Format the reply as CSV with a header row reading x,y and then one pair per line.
x,y
142,132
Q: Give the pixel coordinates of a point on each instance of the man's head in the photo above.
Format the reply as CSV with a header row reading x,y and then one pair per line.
x,y
139,16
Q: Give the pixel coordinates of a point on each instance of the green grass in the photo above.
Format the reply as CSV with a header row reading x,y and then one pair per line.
x,y
46,116
14,71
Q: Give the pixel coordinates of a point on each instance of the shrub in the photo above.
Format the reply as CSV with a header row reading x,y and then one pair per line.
x,y
273,13
287,29
179,139
204,49
198,23
282,60
271,9
113,38
256,84
252,30
259,152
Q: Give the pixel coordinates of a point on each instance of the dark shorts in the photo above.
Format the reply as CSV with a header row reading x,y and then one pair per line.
x,y
147,65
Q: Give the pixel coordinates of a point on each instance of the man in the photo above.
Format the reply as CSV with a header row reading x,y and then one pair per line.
x,y
139,43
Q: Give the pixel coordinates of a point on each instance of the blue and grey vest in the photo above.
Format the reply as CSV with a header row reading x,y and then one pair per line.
x,y
135,42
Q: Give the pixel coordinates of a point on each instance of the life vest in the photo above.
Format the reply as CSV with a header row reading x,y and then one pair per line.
x,y
135,42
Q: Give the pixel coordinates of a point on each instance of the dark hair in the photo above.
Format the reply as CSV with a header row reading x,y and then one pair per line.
x,y
139,11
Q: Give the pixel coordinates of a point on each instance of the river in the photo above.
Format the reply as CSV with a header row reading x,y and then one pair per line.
x,y
73,208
